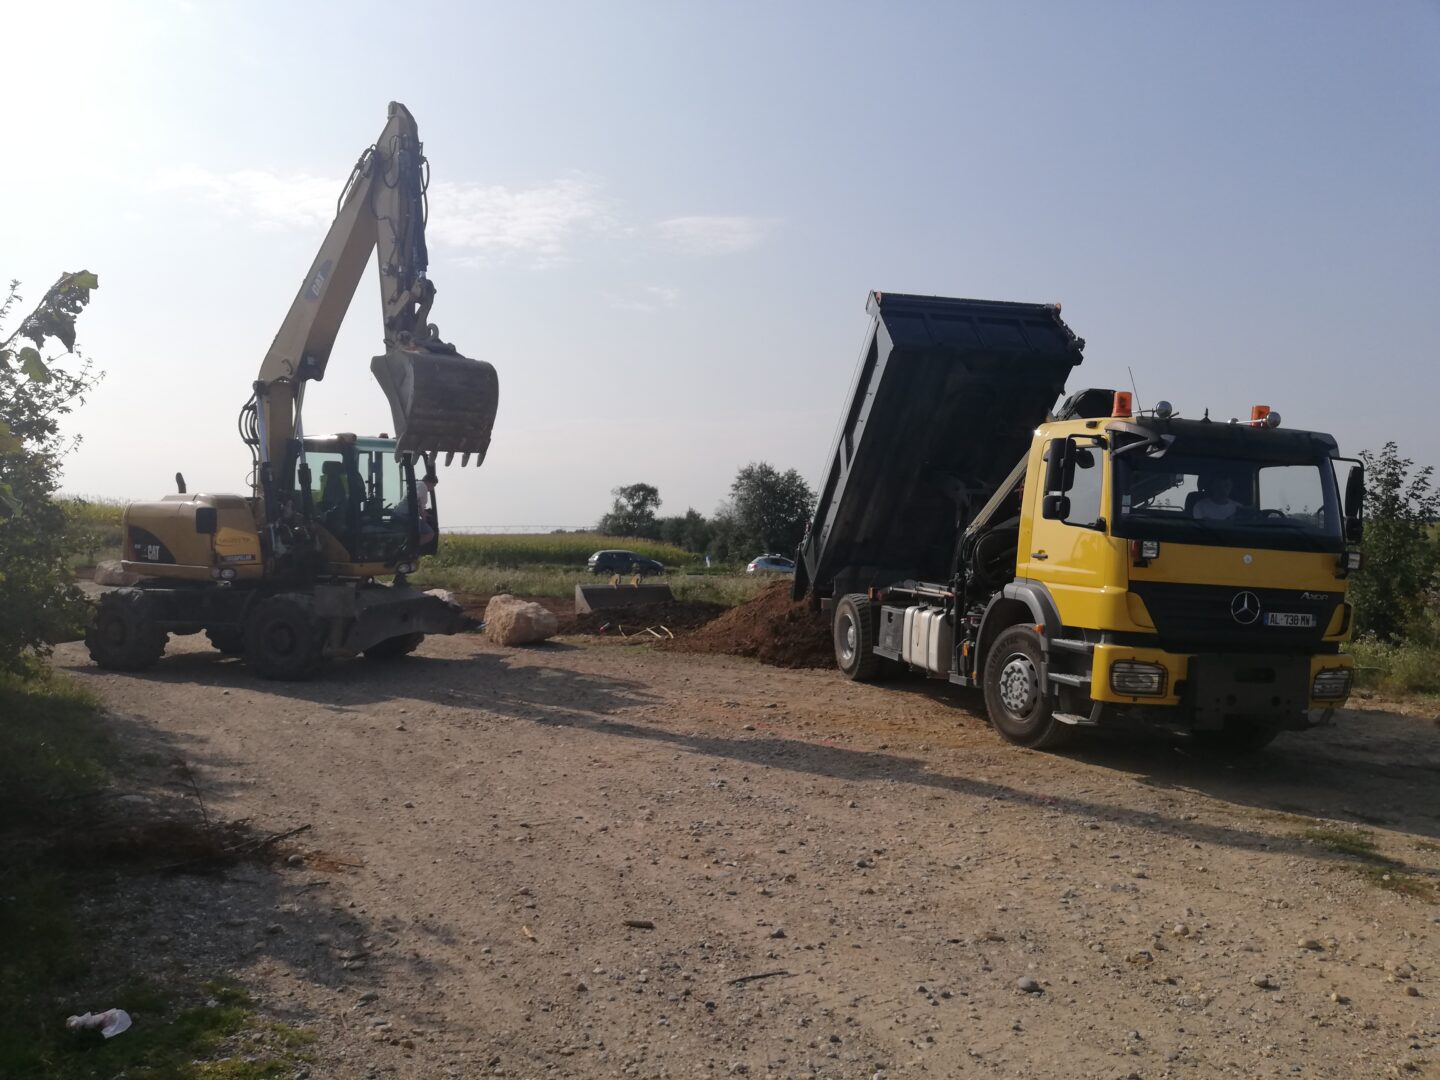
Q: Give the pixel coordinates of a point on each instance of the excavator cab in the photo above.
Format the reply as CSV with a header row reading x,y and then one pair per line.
x,y
365,499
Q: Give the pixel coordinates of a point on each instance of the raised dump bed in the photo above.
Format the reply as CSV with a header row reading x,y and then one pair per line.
x,y
945,398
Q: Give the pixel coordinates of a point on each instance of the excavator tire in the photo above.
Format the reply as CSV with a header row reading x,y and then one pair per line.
x,y
122,636
283,638
395,647
229,640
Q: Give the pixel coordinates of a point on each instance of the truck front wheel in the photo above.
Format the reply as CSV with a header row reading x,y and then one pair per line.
x,y
1019,707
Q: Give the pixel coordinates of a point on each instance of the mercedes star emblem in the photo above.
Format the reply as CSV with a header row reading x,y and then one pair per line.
x,y
1245,608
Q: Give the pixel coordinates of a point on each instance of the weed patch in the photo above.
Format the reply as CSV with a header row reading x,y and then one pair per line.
x,y
55,752
1397,881
1378,870
1343,841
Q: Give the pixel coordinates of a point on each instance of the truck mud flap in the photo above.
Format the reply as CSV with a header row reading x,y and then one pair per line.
x,y
384,613
441,403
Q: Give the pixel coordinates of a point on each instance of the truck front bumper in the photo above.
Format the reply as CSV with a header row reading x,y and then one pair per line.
x,y
1200,690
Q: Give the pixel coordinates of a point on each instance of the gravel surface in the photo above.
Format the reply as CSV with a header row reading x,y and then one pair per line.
x,y
589,859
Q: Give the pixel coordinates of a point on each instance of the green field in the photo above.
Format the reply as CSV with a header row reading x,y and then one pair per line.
x,y
96,525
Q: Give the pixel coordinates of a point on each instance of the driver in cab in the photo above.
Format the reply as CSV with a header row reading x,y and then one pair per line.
x,y
1215,503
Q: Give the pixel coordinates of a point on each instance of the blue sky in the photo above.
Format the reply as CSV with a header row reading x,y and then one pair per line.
x,y
660,220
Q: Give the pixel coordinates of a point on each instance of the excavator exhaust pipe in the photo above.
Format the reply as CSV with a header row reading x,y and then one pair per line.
x,y
441,402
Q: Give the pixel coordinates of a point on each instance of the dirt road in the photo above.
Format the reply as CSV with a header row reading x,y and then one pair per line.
x,y
595,860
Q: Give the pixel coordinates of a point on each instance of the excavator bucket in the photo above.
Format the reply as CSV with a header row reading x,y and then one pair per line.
x,y
441,402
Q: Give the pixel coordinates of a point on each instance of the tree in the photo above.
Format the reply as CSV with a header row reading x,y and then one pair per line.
x,y
633,512
1401,558
38,604
770,509
689,530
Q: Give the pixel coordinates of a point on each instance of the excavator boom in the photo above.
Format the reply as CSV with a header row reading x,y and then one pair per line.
x,y
440,401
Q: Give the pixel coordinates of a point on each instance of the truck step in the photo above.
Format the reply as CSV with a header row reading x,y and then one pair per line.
x,y
1065,679
1071,645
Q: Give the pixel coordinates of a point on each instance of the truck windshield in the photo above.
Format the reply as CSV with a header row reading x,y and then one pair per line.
x,y
1201,498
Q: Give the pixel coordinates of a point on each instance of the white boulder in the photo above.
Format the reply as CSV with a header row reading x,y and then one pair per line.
x,y
512,621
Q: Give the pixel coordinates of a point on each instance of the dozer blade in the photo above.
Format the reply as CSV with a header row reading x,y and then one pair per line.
x,y
441,402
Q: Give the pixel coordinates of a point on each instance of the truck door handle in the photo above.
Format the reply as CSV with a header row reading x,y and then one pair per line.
x,y
1039,555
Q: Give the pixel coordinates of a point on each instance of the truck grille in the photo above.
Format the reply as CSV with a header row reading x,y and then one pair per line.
x,y
1226,616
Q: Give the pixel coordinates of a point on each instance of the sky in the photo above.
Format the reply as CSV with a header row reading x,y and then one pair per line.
x,y
660,221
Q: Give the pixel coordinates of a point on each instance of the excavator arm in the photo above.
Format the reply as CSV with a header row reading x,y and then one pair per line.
x,y
440,401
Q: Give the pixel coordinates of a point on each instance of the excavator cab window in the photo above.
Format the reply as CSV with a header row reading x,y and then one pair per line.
x,y
364,500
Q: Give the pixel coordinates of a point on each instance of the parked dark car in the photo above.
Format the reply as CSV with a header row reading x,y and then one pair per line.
x,y
771,564
623,562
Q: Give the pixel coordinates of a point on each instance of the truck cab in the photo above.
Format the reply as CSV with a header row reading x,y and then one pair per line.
x,y
1186,572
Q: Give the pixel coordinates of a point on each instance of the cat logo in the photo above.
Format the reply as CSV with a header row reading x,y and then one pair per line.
x,y
316,288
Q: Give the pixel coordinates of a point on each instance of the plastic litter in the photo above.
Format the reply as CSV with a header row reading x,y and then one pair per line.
x,y
111,1022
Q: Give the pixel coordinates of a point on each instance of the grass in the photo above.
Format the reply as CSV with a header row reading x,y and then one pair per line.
x,y
546,549
1378,870
1405,667
95,522
54,750
1355,842
729,589
53,746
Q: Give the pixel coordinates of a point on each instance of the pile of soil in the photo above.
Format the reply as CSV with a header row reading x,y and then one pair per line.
x,y
772,628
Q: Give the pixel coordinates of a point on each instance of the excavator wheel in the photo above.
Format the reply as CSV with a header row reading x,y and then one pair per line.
x,y
229,640
395,647
283,638
123,636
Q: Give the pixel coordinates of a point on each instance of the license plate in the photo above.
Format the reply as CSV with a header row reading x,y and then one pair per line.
x,y
1287,618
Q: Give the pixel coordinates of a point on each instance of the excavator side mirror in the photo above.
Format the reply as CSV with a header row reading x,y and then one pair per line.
x,y
206,520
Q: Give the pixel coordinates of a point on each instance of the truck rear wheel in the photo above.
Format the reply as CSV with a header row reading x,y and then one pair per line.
x,y
392,648
283,639
1020,709
123,636
854,635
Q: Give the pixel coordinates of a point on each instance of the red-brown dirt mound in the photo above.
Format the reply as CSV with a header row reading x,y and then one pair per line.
x,y
772,628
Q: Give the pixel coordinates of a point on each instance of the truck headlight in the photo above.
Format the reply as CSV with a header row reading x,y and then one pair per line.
x,y
1331,684
1136,679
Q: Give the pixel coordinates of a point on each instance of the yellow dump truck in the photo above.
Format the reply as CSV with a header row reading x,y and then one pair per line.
x,y
1091,566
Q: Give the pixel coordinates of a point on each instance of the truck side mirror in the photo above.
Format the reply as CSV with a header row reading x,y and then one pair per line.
x,y
1355,504
206,520
1055,507
1059,466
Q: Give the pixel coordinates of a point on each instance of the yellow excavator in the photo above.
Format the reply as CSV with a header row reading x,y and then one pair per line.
x,y
290,575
